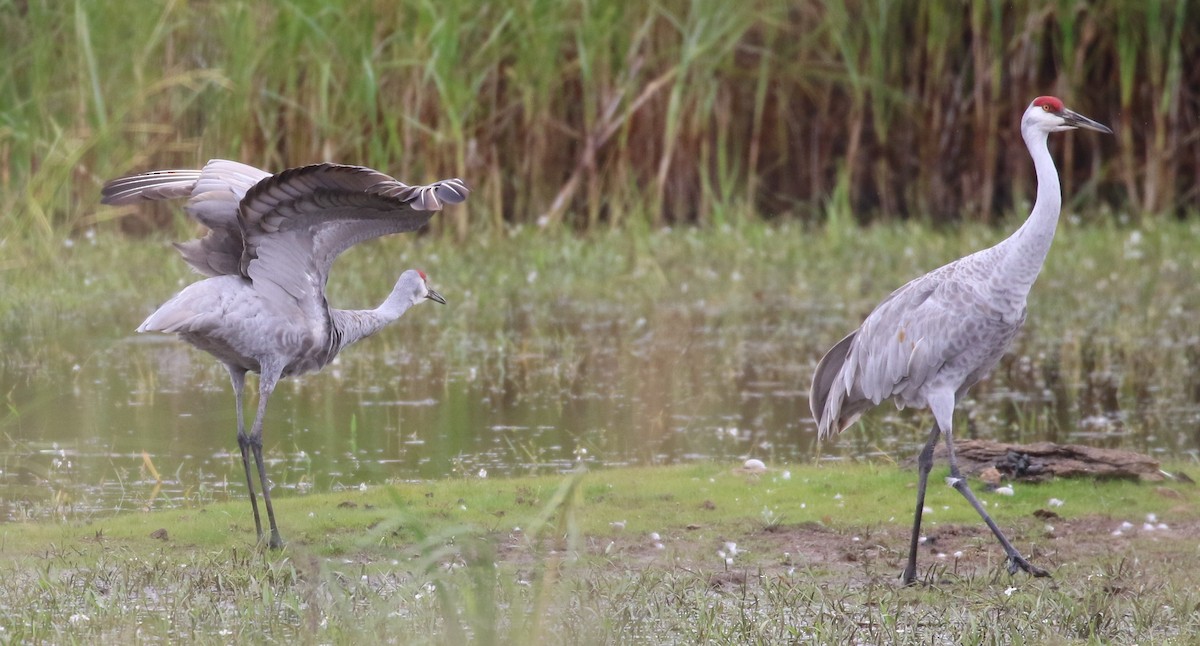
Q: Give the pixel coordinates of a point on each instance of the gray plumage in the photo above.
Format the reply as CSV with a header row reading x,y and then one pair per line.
x,y
270,244
928,342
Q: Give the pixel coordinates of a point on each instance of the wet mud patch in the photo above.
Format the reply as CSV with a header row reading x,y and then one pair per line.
x,y
856,556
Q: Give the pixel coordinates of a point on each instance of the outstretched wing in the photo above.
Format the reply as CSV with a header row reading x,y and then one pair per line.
x,y
296,223
213,193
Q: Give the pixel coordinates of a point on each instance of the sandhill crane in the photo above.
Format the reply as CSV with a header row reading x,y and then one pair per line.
x,y
935,337
271,241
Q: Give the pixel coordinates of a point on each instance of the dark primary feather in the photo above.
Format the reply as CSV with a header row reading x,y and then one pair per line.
x,y
827,373
156,185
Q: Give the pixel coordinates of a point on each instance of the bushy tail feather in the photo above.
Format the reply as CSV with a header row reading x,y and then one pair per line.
x,y
827,398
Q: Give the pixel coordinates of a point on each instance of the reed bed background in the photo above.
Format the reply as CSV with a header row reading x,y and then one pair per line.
x,y
605,112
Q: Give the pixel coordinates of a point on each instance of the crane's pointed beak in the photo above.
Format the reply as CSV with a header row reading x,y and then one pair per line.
x,y
436,297
1076,120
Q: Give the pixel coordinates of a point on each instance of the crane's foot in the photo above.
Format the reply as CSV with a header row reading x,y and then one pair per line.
x,y
276,541
1018,562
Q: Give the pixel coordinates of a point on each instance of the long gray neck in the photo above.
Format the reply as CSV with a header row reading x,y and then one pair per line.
x,y
1024,252
350,326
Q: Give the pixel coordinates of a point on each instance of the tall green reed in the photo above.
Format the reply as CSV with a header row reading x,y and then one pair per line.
x,y
600,113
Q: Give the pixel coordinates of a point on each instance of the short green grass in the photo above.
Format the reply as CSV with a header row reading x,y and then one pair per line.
x,y
645,499
572,558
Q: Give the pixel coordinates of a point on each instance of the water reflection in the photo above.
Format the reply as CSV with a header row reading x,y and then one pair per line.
x,y
146,421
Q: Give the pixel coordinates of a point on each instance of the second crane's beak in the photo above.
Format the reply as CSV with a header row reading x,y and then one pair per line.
x,y
1076,120
436,297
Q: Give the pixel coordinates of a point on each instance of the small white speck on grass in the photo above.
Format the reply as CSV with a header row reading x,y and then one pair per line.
x,y
837,496
854,539
1008,592
922,540
659,546
958,554
617,525
754,465
655,537
1147,527
941,555
927,510
1151,518
1006,490
1054,502
483,473
731,547
1162,526
1126,525
786,475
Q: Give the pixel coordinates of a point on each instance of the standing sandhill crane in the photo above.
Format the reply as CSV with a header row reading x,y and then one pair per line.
x,y
935,337
271,242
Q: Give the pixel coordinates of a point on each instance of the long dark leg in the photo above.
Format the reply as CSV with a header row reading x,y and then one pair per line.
x,y
924,464
1015,560
266,385
238,378
943,414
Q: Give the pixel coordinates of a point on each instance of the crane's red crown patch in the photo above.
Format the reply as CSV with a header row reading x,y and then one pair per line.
x,y
1049,103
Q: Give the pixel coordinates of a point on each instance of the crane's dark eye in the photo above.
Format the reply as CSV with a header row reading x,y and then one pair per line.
x,y
1046,107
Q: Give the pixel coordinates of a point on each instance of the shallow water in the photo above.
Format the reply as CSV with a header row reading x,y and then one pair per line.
x,y
100,419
